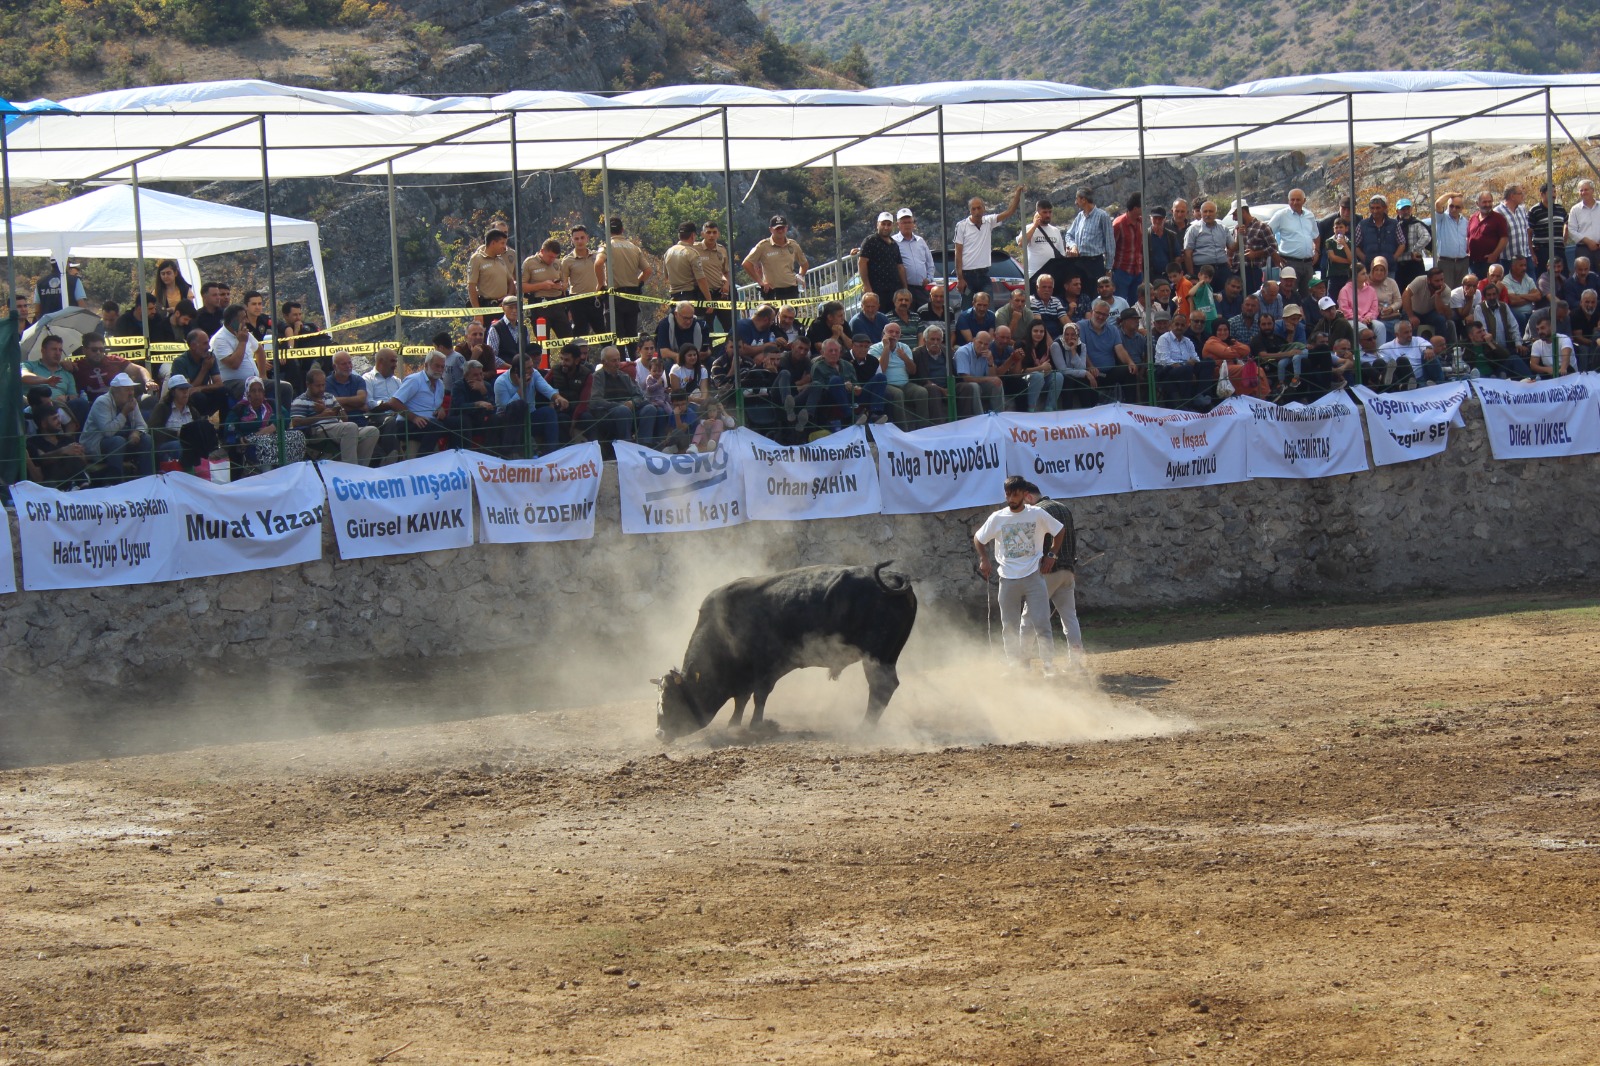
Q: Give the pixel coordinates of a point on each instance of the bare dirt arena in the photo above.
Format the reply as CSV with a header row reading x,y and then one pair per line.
x,y
1335,835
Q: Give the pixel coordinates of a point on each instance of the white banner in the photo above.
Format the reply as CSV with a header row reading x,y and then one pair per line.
x,y
8,575
420,505
1543,419
1300,441
1181,449
664,493
834,477
941,468
272,519
523,501
1411,425
1069,453
117,535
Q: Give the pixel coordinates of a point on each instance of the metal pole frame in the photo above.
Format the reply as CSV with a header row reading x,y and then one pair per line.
x,y
10,382
605,233
522,322
1433,199
731,341
280,416
138,264
1144,240
1550,234
838,231
945,250
394,262
1355,295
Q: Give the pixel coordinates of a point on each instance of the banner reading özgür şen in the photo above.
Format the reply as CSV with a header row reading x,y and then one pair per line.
x,y
1404,426
1541,419
941,468
117,535
420,505
664,493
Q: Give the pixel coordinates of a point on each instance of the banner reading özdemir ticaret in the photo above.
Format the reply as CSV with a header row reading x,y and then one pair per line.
x,y
834,477
523,501
116,535
421,505
1542,418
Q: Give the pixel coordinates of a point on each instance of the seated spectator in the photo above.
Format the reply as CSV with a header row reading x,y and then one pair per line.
x,y
1106,289
1551,360
1132,349
48,371
1244,325
757,335
829,323
1365,309
933,370
1270,300
794,377
1017,314
255,312
251,425
1426,303
933,314
1080,380
1039,372
976,319
507,336
683,328
474,344
181,436
874,385
690,374
240,357
93,370
1585,331
1179,371
1492,359
655,384
681,421
832,396
790,329
1521,293
1563,322
910,321
617,407
708,431
1231,300
110,311
418,402
115,429
1007,358
1077,302
1497,319
1406,354
869,321
472,410
979,376
1269,348
1046,307
131,323
907,399
570,377
1101,340
318,413
53,456
523,419
1224,351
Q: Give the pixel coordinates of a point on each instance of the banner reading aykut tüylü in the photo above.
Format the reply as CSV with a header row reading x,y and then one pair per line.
x,y
117,535
272,519
1411,425
1300,441
1069,453
834,477
1541,419
420,505
664,493
942,468
522,501
8,565
1181,449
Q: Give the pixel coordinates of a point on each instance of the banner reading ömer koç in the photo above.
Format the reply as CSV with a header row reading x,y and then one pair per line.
x,y
1542,419
1180,449
941,468
1069,453
834,477
272,519
1300,441
523,501
664,493
1411,425
420,505
117,535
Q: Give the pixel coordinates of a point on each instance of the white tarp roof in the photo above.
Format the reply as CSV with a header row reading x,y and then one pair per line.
x,y
214,130
100,225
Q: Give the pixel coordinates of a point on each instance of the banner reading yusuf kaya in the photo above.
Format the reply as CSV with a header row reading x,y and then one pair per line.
x,y
1069,453
941,468
117,535
420,505
834,477
271,519
522,501
664,493
1541,419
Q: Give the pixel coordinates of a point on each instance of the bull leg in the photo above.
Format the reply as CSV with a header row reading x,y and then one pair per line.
x,y
763,690
881,683
738,708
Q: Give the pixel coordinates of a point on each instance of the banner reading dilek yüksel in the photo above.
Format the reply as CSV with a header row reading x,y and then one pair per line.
x,y
420,505
1541,419
523,501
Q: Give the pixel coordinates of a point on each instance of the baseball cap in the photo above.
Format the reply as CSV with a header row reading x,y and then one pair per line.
x,y
904,212
1293,311
1158,212
177,381
777,220
1326,303
122,381
1288,272
884,216
1402,202
1378,198
1127,313
1316,279
1160,316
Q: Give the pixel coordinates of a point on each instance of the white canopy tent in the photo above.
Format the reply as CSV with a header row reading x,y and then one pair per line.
x,y
100,225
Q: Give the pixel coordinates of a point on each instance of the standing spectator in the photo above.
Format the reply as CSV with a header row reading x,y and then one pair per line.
x,y
579,279
1255,243
1450,238
1378,236
681,263
882,271
1541,230
1206,243
1583,223
1519,235
1295,231
541,283
1166,242
1127,263
1416,239
1340,253
714,268
214,300
1041,242
974,243
491,272
916,256
776,262
55,292
1488,234
621,265
1325,231
1090,239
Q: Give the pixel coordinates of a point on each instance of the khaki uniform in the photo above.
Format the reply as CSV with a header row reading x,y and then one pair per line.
x,y
624,264
714,268
535,271
588,316
682,263
494,276
780,265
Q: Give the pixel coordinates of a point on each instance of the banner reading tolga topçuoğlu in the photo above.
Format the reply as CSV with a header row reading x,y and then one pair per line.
x,y
834,477
420,505
941,468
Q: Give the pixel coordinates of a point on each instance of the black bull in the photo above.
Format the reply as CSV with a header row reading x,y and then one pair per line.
x,y
753,631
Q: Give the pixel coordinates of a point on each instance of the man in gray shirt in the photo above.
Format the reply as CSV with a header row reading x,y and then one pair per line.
x,y
115,429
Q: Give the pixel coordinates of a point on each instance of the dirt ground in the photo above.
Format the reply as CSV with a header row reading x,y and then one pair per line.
x,y
1320,835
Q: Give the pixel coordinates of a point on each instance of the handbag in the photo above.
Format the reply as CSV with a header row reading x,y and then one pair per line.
x,y
1224,382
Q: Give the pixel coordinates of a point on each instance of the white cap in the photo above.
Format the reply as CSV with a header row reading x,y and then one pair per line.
x,y
122,381
904,212
1288,272
885,217
177,381
1326,303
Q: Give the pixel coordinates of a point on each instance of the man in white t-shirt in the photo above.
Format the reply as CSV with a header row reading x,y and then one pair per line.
x,y
1018,531
974,241
1041,242
1540,359
1405,345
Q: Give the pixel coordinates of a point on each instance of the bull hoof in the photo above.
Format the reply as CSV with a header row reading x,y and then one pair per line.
x,y
766,726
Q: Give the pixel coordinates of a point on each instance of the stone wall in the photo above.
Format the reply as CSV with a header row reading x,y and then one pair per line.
x,y
1459,521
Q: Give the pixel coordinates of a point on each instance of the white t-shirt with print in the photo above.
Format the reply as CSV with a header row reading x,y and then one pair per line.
x,y
1018,538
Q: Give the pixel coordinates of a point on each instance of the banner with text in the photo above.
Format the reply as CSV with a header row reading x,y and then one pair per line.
x,y
1181,449
1411,425
420,505
1069,453
524,501
8,576
117,535
664,493
1542,419
941,468
834,477
1300,441
271,519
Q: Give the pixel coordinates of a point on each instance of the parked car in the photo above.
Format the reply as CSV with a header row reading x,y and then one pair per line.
x,y
1005,277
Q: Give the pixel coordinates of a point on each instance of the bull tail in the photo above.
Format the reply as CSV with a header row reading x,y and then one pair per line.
x,y
902,586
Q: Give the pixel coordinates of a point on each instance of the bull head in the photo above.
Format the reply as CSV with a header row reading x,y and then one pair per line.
x,y
675,716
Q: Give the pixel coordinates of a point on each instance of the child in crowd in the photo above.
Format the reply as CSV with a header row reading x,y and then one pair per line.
x,y
681,423
1339,257
710,428
1200,297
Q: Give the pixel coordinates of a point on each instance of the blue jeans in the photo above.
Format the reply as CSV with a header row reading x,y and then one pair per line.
x,y
541,423
115,451
647,423
1045,383
1127,285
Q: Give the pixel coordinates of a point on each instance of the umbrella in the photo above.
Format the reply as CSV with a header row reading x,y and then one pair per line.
x,y
71,324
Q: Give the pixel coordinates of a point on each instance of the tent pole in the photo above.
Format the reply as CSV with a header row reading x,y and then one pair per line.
x,y
1355,296
522,325
838,232
1144,254
946,267
1019,165
11,244
138,264
605,230
1433,195
394,263
10,383
1237,236
1550,224
279,414
731,341
1578,146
